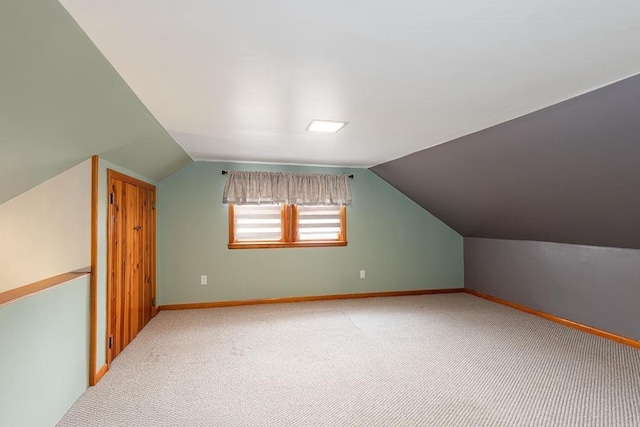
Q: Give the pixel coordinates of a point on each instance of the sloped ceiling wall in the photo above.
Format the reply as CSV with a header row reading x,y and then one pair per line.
x,y
62,102
569,173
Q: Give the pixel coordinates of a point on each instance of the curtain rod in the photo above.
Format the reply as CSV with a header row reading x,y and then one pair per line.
x,y
226,172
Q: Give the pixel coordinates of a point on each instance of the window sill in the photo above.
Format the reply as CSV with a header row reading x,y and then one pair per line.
x,y
272,245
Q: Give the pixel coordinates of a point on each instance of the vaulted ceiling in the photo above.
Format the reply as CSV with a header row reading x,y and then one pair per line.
x,y
241,80
485,113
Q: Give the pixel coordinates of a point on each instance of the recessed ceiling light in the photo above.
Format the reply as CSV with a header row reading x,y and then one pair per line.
x,y
325,125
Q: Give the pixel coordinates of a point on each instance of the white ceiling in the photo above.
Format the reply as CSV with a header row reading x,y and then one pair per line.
x,y
241,80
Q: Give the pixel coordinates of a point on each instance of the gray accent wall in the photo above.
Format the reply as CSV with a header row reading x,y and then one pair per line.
x,y
400,245
595,286
569,173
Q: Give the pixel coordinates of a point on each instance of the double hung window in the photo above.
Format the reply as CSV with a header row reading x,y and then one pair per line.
x,y
285,209
282,225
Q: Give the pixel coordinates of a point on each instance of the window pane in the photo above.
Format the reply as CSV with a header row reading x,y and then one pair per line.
x,y
258,222
318,222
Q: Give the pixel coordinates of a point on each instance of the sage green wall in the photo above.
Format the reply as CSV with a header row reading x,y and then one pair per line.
x,y
400,245
44,361
101,273
61,102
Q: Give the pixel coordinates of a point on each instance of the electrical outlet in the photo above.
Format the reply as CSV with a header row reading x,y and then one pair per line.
x,y
362,274
203,280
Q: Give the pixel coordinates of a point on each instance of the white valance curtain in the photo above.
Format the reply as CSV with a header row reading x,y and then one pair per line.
x,y
255,188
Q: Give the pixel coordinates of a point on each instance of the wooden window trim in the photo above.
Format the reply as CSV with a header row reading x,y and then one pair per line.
x,y
286,223
289,223
293,224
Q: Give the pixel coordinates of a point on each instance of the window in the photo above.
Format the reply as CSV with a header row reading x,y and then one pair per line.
x,y
277,226
285,209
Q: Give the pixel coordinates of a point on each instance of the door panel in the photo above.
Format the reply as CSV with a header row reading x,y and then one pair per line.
x,y
132,263
116,269
146,241
131,260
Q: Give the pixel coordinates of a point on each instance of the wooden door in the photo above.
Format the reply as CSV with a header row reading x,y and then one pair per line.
x,y
131,260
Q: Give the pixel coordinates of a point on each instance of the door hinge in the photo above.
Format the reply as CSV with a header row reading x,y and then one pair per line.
x,y
111,197
153,302
111,342
153,205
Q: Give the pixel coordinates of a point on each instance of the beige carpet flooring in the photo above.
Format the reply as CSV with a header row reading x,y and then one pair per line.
x,y
433,360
